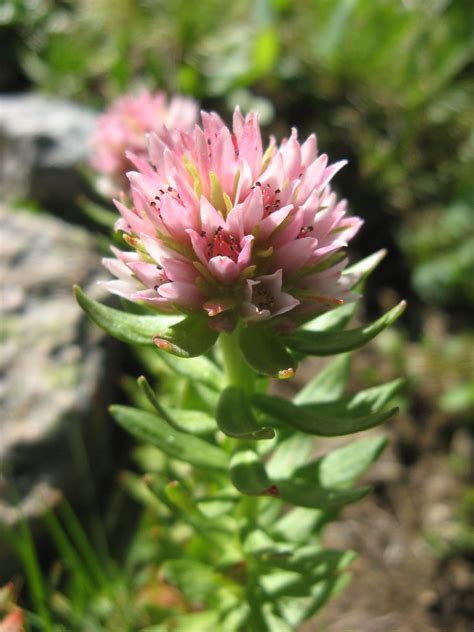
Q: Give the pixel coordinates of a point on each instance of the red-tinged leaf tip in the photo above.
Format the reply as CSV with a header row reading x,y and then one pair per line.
x,y
271,491
13,622
286,374
147,479
162,344
214,308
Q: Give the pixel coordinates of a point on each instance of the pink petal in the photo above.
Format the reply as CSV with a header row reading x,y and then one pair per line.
x,y
223,269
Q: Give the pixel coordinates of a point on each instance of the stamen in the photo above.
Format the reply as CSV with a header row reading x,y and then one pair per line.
x,y
223,245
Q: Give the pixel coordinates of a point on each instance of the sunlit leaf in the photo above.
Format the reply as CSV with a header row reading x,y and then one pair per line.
x,y
265,353
321,343
328,384
343,466
188,338
235,417
248,473
179,445
130,328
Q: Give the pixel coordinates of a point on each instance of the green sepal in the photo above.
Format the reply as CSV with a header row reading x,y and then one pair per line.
x,y
322,343
265,353
235,417
189,338
338,318
329,384
178,445
248,474
130,328
300,492
341,467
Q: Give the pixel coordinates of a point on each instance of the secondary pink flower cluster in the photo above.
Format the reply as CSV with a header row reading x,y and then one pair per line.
x,y
217,224
123,128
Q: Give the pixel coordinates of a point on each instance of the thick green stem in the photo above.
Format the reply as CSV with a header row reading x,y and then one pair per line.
x,y
237,371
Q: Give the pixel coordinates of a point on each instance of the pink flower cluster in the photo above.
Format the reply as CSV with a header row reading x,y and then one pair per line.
x,y
217,224
123,128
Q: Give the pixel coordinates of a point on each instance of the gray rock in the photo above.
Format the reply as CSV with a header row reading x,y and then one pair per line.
x,y
42,142
55,372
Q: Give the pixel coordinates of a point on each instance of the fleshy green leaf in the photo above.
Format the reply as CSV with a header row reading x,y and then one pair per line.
x,y
235,417
205,620
179,445
273,621
189,338
343,466
181,498
199,369
328,384
315,560
130,328
298,524
334,320
298,491
320,419
290,454
248,474
197,581
193,421
321,343
297,610
365,266
265,353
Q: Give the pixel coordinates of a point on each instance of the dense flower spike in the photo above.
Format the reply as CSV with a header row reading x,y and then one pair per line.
x,y
123,127
217,224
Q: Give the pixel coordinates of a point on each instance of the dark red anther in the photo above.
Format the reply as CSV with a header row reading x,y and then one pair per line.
x,y
272,491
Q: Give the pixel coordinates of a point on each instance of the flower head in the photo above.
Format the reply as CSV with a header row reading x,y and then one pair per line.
x,y
124,126
217,224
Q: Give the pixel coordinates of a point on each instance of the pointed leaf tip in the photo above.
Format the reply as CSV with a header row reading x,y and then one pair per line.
x,y
127,327
323,343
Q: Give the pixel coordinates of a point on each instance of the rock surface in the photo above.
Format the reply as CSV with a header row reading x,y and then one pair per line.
x,y
42,142
54,369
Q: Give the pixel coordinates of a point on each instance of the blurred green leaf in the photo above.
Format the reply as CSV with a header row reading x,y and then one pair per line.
x,y
179,445
298,491
248,473
327,385
341,467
